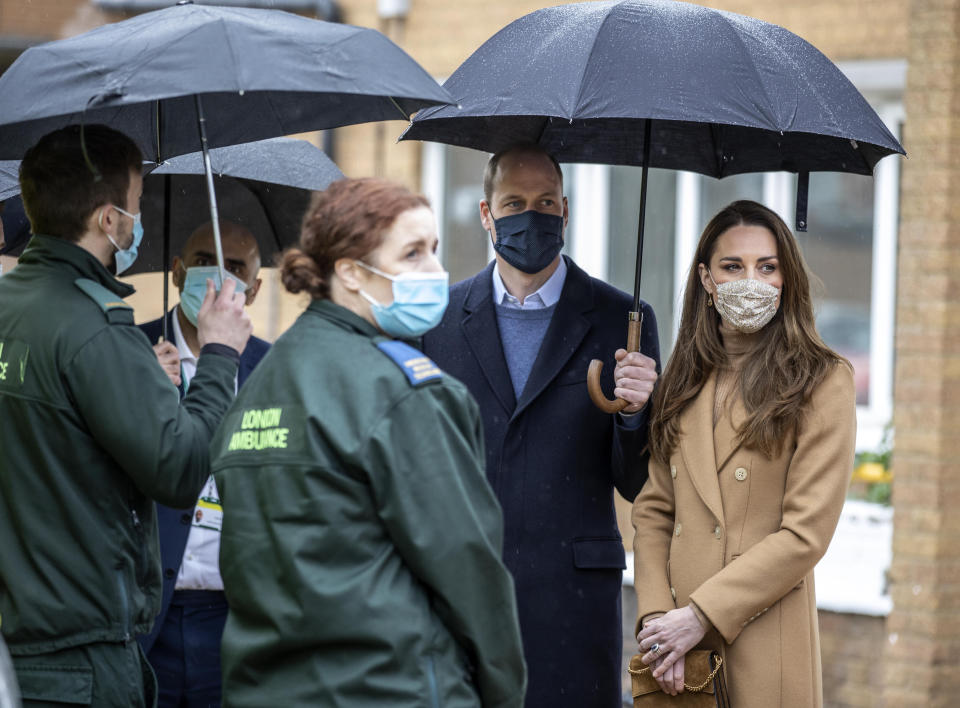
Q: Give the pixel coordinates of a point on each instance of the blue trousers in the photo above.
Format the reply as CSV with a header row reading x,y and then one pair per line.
x,y
186,654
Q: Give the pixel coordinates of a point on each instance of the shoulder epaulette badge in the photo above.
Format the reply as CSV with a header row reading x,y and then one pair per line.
x,y
419,369
116,310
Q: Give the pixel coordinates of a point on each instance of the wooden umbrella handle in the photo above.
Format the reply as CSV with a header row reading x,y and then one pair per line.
x,y
605,404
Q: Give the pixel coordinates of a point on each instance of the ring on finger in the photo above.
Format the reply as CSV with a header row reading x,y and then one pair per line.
x,y
655,648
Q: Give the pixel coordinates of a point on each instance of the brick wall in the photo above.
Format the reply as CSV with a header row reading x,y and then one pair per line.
x,y
48,19
851,648
924,628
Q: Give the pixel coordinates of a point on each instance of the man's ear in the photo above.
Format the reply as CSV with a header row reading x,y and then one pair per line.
x,y
348,273
566,213
105,218
178,272
253,290
486,219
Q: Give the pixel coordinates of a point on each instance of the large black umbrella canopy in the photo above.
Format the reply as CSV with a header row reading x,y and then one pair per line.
x,y
725,93
193,77
659,83
261,73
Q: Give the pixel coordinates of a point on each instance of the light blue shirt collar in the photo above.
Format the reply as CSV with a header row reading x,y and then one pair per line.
x,y
547,296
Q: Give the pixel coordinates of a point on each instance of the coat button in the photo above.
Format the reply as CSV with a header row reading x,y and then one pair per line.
x,y
169,573
673,593
716,532
673,471
740,473
677,529
185,519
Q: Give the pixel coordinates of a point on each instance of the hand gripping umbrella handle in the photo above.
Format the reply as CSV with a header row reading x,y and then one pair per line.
x,y
596,366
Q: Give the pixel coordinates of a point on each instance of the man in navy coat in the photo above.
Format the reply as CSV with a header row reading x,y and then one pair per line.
x,y
521,334
184,646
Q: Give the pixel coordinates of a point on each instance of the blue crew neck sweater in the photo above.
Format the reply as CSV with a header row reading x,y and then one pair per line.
x,y
522,333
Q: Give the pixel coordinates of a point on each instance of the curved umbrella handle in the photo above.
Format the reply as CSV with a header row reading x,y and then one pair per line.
x,y
605,404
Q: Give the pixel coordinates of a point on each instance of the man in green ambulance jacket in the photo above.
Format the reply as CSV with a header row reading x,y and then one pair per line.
x,y
83,455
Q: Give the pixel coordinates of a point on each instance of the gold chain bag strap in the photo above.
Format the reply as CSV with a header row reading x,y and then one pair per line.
x,y
703,687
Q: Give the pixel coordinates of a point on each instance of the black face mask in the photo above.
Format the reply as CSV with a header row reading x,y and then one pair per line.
x,y
529,241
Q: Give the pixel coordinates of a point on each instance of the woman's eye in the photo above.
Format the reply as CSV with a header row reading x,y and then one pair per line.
x,y
413,254
768,268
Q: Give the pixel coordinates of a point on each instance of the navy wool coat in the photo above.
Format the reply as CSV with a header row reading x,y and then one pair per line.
x,y
553,460
174,524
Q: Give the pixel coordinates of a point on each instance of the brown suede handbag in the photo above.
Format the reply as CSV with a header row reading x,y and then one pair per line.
x,y
703,687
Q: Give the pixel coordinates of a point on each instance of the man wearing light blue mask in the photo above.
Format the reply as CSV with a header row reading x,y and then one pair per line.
x,y
184,646
100,433
520,335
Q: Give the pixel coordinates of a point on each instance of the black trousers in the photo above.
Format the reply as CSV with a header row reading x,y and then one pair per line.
x,y
186,654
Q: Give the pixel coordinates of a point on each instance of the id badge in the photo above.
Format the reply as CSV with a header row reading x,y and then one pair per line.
x,y
208,514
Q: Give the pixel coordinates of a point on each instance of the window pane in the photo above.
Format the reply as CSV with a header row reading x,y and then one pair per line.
x,y
464,249
656,286
715,194
839,250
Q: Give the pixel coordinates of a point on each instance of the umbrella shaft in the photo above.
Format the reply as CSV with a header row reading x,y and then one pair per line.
x,y
166,254
208,171
643,212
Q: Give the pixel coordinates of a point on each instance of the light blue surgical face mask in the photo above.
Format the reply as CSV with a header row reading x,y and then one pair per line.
x,y
124,257
195,288
419,301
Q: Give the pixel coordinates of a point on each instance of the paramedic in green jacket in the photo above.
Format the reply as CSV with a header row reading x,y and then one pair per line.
x,y
93,430
361,542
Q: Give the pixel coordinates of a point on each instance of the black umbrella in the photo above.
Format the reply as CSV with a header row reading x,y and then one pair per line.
x,y
9,179
659,83
264,186
191,77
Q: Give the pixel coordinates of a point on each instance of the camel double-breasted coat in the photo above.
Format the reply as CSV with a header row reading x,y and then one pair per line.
x,y
739,534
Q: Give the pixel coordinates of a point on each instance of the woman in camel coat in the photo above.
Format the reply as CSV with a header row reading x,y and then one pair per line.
x,y
752,442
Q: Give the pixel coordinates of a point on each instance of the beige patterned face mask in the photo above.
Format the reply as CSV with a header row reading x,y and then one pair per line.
x,y
746,305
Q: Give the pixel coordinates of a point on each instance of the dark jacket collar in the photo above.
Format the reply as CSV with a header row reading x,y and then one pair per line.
x,y
342,317
567,329
71,257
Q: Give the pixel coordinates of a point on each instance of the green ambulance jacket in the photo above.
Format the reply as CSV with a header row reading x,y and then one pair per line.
x,y
361,542
91,432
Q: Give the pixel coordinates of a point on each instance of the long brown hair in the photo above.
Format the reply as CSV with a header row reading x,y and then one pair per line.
x,y
777,379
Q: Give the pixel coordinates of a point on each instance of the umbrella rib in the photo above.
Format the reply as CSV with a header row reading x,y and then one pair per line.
x,y
593,45
397,105
150,56
230,48
756,69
